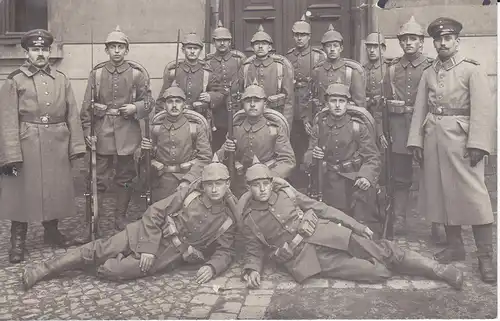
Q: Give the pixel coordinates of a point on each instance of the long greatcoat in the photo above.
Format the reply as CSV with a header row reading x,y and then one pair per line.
x,y
44,188
453,192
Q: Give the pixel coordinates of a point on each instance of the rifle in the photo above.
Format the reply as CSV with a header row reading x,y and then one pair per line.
x,y
319,165
208,111
92,206
232,100
177,53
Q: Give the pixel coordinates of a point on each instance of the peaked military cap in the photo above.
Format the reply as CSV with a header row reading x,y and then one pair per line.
x,y
261,35
221,33
301,26
117,36
338,90
254,90
215,171
174,91
444,26
192,39
331,35
257,171
375,38
411,27
37,38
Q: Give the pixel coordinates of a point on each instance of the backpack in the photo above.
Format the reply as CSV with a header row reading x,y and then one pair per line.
x,y
194,120
282,62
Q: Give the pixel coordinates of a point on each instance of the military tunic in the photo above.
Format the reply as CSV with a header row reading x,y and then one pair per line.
x,y
452,192
176,143
200,224
40,127
266,73
374,85
328,72
344,140
335,249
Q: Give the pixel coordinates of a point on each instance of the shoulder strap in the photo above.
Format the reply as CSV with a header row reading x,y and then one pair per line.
x,y
279,73
97,77
190,198
355,129
392,70
245,74
206,75
348,76
135,78
273,130
192,130
289,192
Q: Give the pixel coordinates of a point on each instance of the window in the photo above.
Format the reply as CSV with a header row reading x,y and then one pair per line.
x,y
19,16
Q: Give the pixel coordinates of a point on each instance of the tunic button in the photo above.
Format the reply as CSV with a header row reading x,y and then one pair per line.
x,y
48,104
46,93
44,83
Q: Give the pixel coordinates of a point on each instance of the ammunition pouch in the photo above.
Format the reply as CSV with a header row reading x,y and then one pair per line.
x,y
276,101
398,107
309,220
177,168
100,110
287,251
349,166
192,255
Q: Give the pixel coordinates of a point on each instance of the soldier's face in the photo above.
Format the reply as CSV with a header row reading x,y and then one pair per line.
x,y
261,189
38,56
174,106
411,44
191,52
222,45
333,49
215,190
261,48
337,105
373,52
446,45
117,52
253,106
301,39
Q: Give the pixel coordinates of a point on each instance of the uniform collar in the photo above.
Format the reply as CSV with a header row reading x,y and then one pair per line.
x,y
303,52
336,65
373,65
121,68
226,56
177,124
338,123
191,68
217,208
449,63
255,127
30,70
265,62
415,63
260,206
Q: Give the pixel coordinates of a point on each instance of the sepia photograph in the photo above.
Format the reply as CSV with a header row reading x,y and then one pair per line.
x,y
248,159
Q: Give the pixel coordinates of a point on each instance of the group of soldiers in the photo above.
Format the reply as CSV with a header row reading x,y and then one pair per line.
x,y
229,141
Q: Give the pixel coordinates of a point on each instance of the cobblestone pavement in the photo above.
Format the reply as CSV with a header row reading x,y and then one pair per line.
x,y
79,295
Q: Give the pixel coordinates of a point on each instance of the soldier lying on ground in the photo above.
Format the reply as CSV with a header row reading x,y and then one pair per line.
x,y
310,238
261,132
179,143
189,225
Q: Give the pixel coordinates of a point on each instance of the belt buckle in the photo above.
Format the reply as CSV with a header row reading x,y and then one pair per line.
x,y
45,119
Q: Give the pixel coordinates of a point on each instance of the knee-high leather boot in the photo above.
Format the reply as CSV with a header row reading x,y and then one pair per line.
x,y
52,235
414,263
122,200
18,232
31,275
483,235
455,250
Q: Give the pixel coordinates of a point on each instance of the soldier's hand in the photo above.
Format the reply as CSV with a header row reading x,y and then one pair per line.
x,y
476,155
146,262
318,153
205,97
12,169
253,279
418,155
229,145
89,140
127,110
146,143
204,274
383,142
367,233
308,128
362,183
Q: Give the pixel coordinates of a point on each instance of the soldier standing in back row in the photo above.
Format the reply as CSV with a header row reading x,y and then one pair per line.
x,y
274,73
40,134
336,69
452,129
303,58
122,98
225,64
400,88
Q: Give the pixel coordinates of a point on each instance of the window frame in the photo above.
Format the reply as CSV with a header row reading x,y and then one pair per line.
x,y
8,15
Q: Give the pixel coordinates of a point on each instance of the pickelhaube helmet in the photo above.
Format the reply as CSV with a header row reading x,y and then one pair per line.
x,y
261,35
301,26
215,171
338,90
37,38
257,171
192,39
375,38
221,33
331,35
254,90
174,91
411,27
117,36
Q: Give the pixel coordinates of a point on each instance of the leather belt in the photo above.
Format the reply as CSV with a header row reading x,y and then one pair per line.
x,y
400,109
177,168
45,119
301,84
443,111
113,112
344,167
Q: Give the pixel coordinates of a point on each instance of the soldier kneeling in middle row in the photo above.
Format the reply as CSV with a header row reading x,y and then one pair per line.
x,y
309,238
188,225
